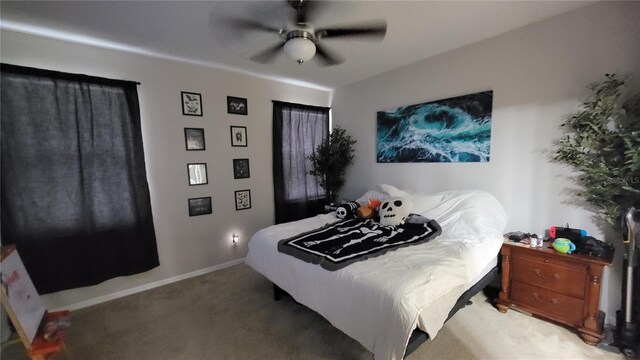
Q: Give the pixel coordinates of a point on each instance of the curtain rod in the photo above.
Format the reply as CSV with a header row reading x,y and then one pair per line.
x,y
301,105
25,70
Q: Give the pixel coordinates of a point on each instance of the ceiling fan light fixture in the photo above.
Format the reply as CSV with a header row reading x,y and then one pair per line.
x,y
300,46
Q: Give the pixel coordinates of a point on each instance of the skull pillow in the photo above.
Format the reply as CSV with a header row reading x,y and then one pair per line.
x,y
395,210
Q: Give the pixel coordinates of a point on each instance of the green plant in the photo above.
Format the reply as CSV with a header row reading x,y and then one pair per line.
x,y
330,160
603,145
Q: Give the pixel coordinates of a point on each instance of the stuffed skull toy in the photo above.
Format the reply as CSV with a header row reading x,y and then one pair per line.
x,y
347,210
395,210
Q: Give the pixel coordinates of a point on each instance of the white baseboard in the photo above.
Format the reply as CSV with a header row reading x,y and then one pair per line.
x,y
155,284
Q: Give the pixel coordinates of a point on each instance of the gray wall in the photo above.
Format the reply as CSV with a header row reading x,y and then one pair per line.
x,y
539,74
187,245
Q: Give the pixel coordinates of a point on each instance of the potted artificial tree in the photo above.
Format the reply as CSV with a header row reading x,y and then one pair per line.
x,y
330,160
603,145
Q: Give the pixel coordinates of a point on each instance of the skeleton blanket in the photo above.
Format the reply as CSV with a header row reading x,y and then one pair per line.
x,y
337,245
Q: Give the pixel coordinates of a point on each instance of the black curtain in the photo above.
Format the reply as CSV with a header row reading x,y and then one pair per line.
x,y
297,131
74,195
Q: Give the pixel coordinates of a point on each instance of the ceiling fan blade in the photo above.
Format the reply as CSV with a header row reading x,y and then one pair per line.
x,y
245,24
376,30
268,54
326,57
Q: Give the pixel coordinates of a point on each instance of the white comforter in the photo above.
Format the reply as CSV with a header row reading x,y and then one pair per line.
x,y
380,301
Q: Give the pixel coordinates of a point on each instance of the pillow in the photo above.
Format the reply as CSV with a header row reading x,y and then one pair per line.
x,y
395,210
381,192
393,191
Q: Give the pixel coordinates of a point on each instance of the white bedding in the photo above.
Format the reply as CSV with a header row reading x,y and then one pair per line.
x,y
379,301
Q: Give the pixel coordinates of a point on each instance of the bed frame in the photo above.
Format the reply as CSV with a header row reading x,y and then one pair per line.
x,y
418,336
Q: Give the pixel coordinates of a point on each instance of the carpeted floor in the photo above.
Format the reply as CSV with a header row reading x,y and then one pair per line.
x,y
230,314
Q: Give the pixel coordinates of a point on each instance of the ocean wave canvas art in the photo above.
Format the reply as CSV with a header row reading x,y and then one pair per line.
x,y
457,129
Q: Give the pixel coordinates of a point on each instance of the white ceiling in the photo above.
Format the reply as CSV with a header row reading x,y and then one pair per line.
x,y
197,31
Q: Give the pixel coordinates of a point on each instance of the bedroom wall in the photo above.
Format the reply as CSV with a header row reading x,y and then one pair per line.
x,y
538,75
186,245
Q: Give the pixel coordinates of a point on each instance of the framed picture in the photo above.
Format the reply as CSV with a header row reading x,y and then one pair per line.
x,y
238,136
243,199
236,105
194,139
240,168
191,103
462,120
200,206
197,174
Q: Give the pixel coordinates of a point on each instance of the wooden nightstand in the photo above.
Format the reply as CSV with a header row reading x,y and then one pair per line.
x,y
558,287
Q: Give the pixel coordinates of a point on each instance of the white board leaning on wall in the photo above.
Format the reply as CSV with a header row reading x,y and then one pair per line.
x,y
20,295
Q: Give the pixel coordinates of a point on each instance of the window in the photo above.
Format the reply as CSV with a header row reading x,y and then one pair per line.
x,y
297,131
74,193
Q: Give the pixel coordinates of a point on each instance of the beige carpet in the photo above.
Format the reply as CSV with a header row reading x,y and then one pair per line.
x,y
230,314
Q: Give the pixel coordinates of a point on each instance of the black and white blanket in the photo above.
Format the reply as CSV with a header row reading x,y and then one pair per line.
x,y
337,245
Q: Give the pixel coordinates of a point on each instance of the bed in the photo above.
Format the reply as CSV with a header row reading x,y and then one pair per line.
x,y
381,301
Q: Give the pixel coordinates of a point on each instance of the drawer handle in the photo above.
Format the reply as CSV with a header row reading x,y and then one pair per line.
x,y
552,301
539,274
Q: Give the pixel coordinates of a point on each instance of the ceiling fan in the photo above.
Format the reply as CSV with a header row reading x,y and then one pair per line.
x,y
302,42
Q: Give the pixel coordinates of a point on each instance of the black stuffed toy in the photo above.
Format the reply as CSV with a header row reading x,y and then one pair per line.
x,y
347,210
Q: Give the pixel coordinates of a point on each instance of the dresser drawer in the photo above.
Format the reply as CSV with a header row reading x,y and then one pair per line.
x,y
566,309
563,279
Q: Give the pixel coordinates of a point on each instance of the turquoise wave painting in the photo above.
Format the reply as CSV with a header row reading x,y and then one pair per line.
x,y
457,129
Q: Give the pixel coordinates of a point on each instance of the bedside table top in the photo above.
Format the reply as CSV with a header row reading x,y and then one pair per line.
x,y
546,249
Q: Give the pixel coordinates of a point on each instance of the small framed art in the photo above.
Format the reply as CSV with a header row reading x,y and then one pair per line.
x,y
236,105
191,103
243,199
240,168
200,206
197,174
238,136
194,139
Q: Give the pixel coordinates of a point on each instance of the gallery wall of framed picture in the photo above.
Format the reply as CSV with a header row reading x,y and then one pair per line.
x,y
238,106
194,138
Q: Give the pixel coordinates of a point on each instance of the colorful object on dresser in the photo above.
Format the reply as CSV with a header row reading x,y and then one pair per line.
x,y
563,245
589,245
524,239
566,232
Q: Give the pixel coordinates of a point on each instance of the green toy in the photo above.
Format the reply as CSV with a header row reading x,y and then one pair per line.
x,y
563,245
